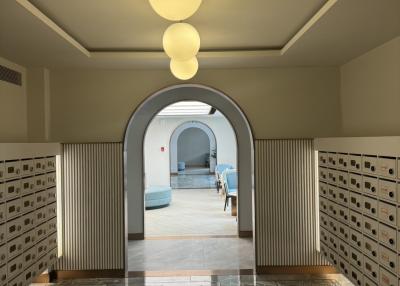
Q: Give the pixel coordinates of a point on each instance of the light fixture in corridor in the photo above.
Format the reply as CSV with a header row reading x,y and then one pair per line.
x,y
184,70
188,108
181,41
175,10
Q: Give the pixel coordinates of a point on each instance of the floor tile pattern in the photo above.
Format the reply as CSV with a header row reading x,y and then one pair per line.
x,y
191,212
193,181
193,178
231,280
191,254
195,171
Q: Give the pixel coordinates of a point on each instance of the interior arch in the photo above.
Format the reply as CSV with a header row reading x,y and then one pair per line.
x,y
173,145
134,155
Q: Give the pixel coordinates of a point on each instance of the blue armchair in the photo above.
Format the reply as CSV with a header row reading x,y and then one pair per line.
x,y
219,170
230,184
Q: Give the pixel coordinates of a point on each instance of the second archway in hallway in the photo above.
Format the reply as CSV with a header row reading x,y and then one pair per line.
x,y
174,143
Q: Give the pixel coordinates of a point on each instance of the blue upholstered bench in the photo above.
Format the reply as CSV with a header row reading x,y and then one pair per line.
x,y
157,196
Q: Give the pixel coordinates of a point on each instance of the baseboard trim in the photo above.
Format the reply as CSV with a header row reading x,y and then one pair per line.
x,y
190,273
120,273
81,274
135,236
245,233
183,237
296,270
195,166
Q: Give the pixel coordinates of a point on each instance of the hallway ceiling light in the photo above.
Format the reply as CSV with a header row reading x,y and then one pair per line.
x,y
181,41
186,108
184,70
175,10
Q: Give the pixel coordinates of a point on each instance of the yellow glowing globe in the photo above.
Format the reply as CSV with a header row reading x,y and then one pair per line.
x,y
184,70
181,41
175,10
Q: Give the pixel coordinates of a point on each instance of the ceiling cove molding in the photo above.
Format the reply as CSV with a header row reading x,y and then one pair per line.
x,y
202,54
52,25
314,19
110,54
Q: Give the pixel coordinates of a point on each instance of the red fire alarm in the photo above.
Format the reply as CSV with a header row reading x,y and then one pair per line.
x,y
162,149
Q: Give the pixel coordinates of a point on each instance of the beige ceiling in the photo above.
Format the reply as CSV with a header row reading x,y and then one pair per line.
x,y
118,27
222,24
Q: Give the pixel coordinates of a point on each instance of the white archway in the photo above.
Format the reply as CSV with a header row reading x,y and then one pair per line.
x,y
173,145
133,152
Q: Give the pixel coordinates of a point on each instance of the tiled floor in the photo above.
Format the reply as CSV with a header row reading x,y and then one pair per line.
x,y
193,178
195,171
230,280
191,212
191,254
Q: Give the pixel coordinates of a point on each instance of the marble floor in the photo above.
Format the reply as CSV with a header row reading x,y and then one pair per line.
x,y
191,212
193,178
222,253
227,280
195,171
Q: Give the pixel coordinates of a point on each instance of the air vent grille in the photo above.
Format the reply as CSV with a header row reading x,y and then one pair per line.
x,y
10,76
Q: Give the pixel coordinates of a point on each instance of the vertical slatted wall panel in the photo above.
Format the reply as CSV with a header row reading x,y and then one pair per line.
x,y
93,207
286,230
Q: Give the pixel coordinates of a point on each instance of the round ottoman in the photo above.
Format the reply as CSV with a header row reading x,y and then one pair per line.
x,y
157,196
181,166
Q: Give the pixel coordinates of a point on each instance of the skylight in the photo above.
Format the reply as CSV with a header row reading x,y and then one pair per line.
x,y
186,108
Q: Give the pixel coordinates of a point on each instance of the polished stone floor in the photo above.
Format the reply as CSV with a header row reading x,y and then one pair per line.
x,y
222,253
191,212
195,171
228,280
193,178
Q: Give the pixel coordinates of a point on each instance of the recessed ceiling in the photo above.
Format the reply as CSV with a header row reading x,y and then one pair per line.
x,y
222,24
186,108
235,33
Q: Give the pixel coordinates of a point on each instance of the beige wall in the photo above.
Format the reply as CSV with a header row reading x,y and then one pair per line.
x,y
95,105
370,92
37,79
23,113
362,99
13,103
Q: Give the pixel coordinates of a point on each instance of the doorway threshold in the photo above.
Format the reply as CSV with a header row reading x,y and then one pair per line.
x,y
175,273
181,237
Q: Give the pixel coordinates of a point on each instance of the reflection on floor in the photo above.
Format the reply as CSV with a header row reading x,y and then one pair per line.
x,y
230,280
190,254
195,171
193,178
191,212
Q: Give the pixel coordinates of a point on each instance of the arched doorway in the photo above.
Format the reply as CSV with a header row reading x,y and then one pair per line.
x,y
174,143
133,152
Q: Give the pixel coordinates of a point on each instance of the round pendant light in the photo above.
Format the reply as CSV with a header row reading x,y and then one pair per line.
x,y
181,41
175,10
184,70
